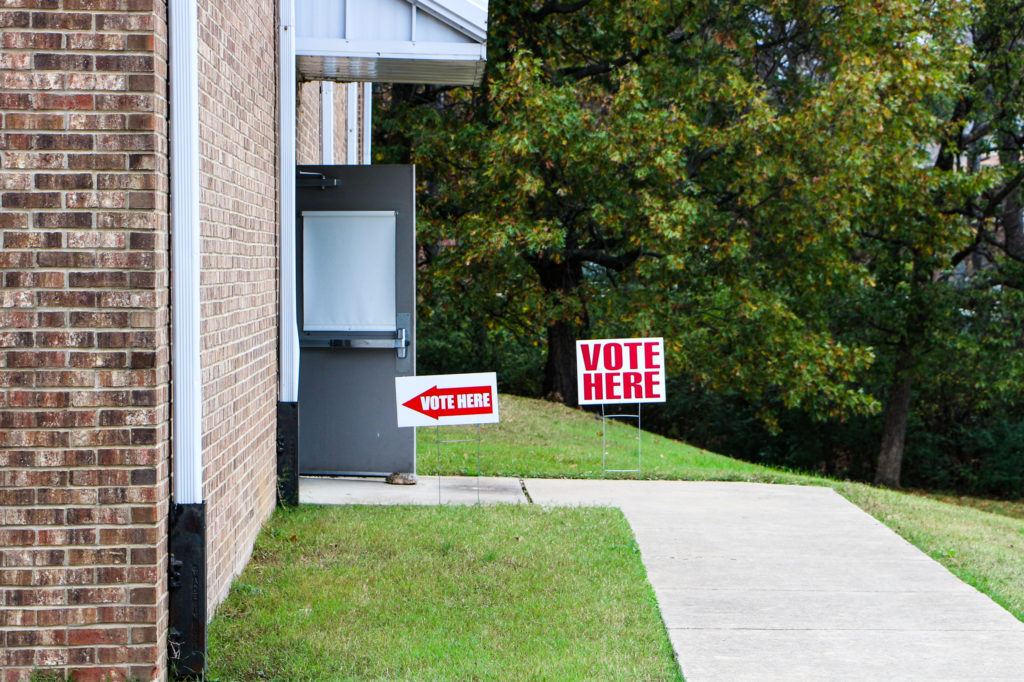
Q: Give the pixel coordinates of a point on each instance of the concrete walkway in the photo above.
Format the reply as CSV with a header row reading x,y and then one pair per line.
x,y
769,582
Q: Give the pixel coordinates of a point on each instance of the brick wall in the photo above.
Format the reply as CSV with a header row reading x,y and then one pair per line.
x,y
308,131
83,338
307,123
238,131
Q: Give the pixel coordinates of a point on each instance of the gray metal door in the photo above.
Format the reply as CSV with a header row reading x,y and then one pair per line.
x,y
350,353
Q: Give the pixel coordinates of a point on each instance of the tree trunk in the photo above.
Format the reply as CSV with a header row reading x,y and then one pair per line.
x,y
559,280
1010,212
897,412
560,368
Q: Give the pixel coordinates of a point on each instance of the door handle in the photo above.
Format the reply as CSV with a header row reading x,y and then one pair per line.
x,y
400,342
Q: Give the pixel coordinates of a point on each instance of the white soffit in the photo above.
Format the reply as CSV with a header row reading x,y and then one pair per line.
x,y
443,42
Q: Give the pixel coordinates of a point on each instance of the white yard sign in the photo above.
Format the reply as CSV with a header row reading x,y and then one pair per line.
x,y
447,399
611,371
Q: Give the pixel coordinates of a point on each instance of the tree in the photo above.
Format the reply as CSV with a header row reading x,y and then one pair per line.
x,y
695,169
942,239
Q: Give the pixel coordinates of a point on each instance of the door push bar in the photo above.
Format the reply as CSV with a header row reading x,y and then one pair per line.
x,y
398,339
399,342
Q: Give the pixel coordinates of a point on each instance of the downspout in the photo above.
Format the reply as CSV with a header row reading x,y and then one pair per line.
x,y
288,329
187,521
352,124
367,122
327,123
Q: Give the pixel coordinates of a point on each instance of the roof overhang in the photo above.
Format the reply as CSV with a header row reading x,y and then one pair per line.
x,y
442,42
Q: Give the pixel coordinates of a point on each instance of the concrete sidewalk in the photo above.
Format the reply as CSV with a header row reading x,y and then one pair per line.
x,y
769,582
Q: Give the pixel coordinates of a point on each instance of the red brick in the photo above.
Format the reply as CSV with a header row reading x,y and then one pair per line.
x,y
13,578
63,62
126,141
33,240
125,63
143,635
75,496
35,597
97,121
52,319
63,181
98,557
51,657
124,22
9,259
15,339
34,121
30,200
129,536
15,221
33,160
17,497
110,5
17,617
96,41
65,259
126,103
61,20
36,358
31,4
14,19
62,102
71,615
97,161
12,379
33,638
98,279
111,655
77,339
143,595
94,636
101,674
31,40
14,100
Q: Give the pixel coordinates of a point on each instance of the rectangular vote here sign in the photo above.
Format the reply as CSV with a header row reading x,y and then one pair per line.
x,y
446,399
610,371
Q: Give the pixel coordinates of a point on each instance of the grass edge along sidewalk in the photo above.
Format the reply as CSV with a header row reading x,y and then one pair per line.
x,y
980,541
456,593
984,546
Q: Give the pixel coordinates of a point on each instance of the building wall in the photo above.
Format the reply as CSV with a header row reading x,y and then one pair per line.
x,y
308,129
239,304
84,400
84,322
307,123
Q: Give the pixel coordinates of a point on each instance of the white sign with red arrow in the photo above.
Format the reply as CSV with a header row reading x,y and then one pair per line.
x,y
446,399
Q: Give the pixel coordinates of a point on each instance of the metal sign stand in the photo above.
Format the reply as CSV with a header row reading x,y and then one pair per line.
x,y
437,432
604,441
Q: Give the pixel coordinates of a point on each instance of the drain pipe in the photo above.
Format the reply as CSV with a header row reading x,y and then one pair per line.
x,y
288,328
187,521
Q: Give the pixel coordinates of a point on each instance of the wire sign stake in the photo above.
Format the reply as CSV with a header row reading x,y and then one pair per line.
x,y
617,372
437,433
604,441
448,400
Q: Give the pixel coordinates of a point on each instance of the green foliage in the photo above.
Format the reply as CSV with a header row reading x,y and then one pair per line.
x,y
449,343
690,170
814,203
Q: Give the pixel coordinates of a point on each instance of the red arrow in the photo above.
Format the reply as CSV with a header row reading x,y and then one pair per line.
x,y
452,402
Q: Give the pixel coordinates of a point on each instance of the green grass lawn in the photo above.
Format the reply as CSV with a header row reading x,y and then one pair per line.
x,y
456,593
981,541
511,593
539,439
